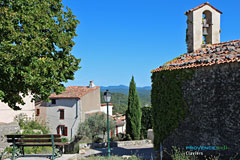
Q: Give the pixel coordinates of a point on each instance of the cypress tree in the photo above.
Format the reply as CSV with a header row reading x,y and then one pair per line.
x,y
133,113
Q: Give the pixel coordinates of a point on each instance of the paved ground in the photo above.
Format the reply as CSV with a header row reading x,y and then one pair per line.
x,y
146,152
46,157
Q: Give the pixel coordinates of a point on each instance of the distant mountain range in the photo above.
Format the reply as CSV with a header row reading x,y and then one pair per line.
x,y
143,93
124,89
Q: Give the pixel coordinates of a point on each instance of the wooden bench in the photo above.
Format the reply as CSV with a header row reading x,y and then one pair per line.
x,y
20,141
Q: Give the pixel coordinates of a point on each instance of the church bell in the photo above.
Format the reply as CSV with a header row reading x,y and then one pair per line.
x,y
205,32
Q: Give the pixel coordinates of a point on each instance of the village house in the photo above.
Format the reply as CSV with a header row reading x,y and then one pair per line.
x,y
120,120
210,92
7,114
67,110
104,108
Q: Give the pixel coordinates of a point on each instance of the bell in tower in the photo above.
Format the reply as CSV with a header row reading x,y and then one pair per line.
x,y
203,26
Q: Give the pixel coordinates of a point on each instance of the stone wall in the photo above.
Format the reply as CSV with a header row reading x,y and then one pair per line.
x,y
213,95
6,128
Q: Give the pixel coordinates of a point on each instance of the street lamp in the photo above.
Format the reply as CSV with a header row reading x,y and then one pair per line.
x,y
107,99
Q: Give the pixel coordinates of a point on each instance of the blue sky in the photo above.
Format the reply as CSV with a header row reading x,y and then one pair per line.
x,y
120,38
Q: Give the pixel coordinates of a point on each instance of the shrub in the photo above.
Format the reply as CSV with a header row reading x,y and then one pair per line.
x,y
146,120
28,125
121,136
64,139
113,138
128,137
98,140
180,155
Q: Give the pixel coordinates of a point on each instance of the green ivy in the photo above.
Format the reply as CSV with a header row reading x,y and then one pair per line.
x,y
168,105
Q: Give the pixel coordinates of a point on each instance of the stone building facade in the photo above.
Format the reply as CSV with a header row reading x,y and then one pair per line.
x,y
67,110
213,98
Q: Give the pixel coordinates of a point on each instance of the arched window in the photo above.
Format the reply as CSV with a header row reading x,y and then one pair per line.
x,y
207,27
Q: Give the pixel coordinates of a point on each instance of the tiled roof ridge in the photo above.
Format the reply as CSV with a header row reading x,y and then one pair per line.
x,y
200,6
225,52
73,92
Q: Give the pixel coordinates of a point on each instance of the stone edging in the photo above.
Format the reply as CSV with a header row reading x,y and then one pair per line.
x,y
114,144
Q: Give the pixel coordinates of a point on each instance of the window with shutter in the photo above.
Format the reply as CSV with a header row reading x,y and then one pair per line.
x,y
37,112
61,113
58,130
62,130
65,133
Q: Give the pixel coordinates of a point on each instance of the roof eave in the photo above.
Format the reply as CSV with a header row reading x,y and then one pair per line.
x,y
200,6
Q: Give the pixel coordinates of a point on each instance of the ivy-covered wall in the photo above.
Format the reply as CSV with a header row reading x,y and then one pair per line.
x,y
198,107
168,105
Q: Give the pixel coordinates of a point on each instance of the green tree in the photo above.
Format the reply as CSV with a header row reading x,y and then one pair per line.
x,y
133,113
146,121
120,102
36,38
95,125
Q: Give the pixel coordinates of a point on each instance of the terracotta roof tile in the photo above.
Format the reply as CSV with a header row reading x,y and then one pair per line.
x,y
104,104
200,6
74,92
226,52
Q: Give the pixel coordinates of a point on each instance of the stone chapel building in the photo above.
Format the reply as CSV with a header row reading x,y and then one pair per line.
x,y
212,93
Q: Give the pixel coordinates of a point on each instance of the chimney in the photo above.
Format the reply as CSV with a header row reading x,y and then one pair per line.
x,y
91,85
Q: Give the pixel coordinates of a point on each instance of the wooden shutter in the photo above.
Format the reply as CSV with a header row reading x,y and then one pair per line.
x,y
38,112
61,113
58,129
65,130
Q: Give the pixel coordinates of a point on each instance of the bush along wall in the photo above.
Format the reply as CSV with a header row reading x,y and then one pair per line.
x,y
146,120
168,104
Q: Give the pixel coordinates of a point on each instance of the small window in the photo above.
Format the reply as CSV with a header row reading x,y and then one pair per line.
x,y
62,130
53,101
61,113
37,112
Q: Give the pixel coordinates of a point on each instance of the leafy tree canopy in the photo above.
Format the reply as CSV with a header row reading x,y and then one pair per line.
x,y
95,125
35,44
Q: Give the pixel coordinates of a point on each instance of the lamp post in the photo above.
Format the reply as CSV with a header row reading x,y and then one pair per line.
x,y
107,99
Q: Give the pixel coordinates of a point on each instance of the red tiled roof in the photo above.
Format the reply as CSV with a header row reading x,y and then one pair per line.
x,y
226,52
200,6
74,92
104,104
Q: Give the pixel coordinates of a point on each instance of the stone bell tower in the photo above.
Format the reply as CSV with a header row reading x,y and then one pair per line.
x,y
203,26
